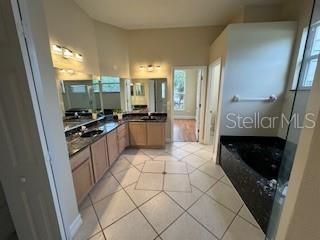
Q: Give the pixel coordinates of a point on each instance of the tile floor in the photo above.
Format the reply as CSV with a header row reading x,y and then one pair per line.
x,y
170,194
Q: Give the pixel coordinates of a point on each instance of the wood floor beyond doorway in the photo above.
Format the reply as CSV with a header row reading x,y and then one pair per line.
x,y
184,130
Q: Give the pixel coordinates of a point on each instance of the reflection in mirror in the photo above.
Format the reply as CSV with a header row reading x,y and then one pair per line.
x,y
80,96
148,95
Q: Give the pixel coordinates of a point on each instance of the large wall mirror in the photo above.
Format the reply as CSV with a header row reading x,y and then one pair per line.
x,y
149,95
109,94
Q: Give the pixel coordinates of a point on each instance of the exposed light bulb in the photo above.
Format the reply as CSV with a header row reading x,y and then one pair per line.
x,y
67,53
56,49
78,57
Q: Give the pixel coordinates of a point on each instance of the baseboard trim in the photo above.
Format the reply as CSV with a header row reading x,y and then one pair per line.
x,y
184,117
75,225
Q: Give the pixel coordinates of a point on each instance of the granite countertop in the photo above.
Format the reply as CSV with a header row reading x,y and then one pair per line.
x,y
76,143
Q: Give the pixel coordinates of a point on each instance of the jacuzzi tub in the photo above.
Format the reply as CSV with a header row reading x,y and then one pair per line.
x,y
252,164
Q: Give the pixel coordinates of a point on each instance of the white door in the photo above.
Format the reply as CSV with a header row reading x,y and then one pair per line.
x,y
198,103
212,101
23,171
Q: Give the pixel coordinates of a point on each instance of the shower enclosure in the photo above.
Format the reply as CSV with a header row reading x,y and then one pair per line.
x,y
299,94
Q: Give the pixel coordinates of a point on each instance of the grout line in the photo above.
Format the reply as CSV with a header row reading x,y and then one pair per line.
x,y
231,223
95,212
138,208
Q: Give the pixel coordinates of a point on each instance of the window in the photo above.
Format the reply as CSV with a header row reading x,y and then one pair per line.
x,y
78,88
311,57
179,89
108,85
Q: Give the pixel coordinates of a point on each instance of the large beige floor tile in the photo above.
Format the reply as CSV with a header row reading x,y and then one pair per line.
x,y
90,225
202,180
121,165
212,215
242,230
186,228
165,157
246,214
178,153
194,160
176,167
177,183
98,236
153,167
226,195
161,211
226,180
150,181
128,176
154,152
106,186
191,148
186,199
140,196
204,154
179,144
113,207
212,170
137,159
133,226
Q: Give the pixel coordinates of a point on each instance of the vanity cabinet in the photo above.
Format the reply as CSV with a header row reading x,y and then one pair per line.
x,y
100,159
147,134
113,146
82,174
138,133
156,134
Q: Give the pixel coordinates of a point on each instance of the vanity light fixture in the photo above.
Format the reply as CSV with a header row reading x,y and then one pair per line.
x,y
56,49
150,68
67,53
78,57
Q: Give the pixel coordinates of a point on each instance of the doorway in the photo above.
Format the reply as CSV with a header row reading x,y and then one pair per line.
x,y
212,107
188,98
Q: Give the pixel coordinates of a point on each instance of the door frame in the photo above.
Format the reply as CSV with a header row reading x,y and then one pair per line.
x,y
204,70
212,90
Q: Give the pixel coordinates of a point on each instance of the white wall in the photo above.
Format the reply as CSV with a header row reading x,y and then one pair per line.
x,y
70,27
113,52
257,61
190,99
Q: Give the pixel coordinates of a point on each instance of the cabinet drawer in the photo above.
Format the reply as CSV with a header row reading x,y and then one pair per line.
x,y
79,158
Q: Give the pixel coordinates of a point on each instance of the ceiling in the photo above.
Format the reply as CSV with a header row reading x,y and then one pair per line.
x,y
142,14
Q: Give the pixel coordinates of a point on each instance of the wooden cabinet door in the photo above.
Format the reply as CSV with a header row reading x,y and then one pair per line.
x,y
155,134
99,158
113,146
138,134
123,137
82,174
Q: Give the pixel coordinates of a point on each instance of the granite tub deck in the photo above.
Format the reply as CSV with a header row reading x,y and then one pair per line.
x,y
252,164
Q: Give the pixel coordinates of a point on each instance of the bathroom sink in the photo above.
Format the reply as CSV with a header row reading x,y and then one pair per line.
x,y
152,118
91,133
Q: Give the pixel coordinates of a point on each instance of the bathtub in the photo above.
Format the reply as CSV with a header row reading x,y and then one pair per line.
x,y
252,164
